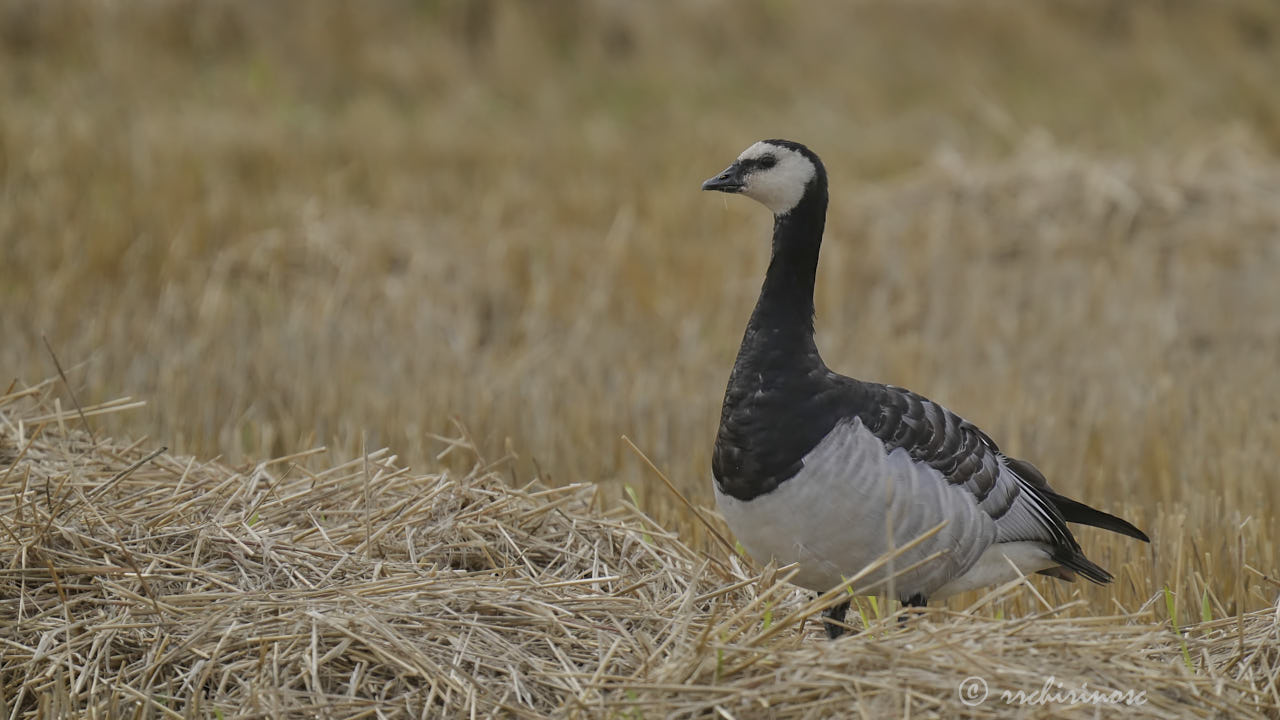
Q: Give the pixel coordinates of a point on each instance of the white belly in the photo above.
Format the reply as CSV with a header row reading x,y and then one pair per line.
x,y
849,504
996,566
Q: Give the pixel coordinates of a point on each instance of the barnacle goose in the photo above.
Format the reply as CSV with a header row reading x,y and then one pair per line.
x,y
830,472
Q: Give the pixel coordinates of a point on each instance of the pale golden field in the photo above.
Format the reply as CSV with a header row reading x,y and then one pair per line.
x,y
293,225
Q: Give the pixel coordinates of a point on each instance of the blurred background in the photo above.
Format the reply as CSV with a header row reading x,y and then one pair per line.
x,y
301,223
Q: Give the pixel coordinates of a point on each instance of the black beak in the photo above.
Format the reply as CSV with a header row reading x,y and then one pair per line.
x,y
729,181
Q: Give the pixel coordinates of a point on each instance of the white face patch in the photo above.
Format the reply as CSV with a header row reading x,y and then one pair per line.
x,y
780,187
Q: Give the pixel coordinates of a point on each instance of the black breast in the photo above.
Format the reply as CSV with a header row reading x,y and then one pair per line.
x,y
771,420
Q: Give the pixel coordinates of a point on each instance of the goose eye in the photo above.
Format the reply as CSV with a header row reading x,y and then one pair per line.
x,y
767,162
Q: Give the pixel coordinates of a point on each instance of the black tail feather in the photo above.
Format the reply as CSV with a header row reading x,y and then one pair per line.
x,y
1075,560
1072,511
1078,512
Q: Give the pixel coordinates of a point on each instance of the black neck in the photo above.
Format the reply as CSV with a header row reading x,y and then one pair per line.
x,y
781,328
777,406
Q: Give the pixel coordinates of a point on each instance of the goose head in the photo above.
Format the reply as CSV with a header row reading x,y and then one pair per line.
x,y
774,173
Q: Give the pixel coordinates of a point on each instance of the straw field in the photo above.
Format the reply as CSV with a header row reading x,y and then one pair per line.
x,y
388,284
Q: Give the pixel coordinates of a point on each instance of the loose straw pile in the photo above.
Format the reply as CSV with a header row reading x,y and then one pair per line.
x,y
139,584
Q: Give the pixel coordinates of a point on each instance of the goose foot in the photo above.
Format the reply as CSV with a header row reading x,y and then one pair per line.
x,y
916,600
836,613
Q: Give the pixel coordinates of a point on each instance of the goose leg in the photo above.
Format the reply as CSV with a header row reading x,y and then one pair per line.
x,y
837,613
916,600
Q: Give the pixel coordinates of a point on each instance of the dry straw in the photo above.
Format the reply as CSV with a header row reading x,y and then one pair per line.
x,y
139,584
